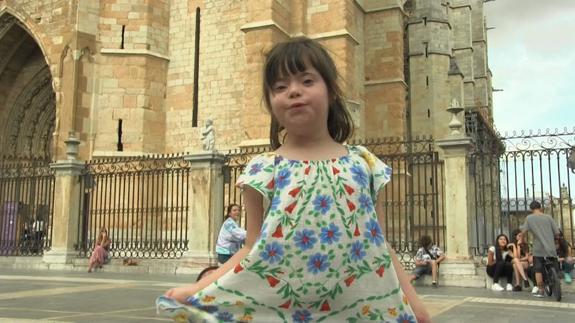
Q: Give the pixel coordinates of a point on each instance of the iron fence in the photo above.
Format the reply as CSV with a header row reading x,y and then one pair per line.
x,y
144,203
413,200
27,199
509,171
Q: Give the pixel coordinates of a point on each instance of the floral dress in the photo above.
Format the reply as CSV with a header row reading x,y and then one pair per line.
x,y
321,254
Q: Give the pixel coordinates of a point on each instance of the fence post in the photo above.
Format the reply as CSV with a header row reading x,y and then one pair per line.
x,y
206,208
66,206
455,151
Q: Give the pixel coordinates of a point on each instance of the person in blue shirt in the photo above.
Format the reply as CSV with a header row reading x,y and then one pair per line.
x,y
231,236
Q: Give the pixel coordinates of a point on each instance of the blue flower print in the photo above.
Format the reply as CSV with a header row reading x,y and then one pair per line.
x,y
317,263
359,176
330,234
282,178
301,316
193,301
387,172
405,318
322,203
273,253
225,317
305,239
344,159
275,203
366,202
256,168
373,232
357,252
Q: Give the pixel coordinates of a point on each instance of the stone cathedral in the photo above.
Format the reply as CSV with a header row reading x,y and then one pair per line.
x,y
133,77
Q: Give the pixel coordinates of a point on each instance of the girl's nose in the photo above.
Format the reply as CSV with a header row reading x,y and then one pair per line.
x,y
294,90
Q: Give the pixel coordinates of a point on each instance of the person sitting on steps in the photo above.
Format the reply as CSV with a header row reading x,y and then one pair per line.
x,y
499,263
520,259
427,260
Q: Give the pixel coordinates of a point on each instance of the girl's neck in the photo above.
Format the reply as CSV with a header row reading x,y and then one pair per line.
x,y
299,148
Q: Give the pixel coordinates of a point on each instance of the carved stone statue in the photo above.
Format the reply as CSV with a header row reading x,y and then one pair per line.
x,y
208,136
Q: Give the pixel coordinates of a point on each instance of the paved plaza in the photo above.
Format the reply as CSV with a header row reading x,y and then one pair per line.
x,y
52,296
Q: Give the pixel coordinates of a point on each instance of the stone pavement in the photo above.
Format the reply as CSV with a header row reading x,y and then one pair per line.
x,y
53,296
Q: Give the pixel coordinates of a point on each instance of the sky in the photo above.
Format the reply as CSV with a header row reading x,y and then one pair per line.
x,y
532,59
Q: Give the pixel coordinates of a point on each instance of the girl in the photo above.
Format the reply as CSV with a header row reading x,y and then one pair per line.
x,y
231,235
499,263
320,253
427,260
520,259
101,249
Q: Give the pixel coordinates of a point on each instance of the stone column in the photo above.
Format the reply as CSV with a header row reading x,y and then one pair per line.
x,y
66,206
206,209
458,269
455,149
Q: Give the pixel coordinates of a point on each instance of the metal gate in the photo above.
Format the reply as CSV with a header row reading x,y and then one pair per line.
x,y
142,201
510,171
26,201
413,200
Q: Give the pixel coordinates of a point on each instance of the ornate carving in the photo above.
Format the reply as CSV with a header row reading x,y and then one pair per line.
x,y
208,136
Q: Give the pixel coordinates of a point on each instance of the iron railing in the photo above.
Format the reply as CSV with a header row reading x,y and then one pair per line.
x,y
144,203
509,171
26,199
413,200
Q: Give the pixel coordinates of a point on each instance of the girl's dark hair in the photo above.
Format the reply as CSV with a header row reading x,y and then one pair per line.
x,y
514,234
294,56
206,271
425,241
498,255
229,210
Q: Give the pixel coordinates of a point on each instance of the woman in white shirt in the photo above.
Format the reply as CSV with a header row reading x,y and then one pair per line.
x,y
499,263
231,236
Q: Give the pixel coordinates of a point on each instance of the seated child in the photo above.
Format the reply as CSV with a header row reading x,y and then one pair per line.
x,y
427,259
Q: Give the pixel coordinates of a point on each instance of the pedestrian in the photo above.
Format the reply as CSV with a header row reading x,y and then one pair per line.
x,y
544,230
231,236
427,260
318,253
101,250
565,257
499,263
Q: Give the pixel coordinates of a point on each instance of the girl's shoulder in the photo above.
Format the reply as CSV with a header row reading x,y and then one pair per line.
x,y
491,249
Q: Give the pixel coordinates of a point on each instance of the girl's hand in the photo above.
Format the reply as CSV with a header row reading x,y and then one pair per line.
x,y
180,294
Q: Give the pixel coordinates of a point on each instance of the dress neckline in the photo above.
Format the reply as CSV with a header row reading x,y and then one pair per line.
x,y
346,155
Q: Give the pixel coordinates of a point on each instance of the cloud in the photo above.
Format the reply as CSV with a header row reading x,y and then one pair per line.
x,y
533,61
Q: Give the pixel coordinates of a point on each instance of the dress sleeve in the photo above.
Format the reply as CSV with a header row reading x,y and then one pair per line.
x,y
380,172
259,175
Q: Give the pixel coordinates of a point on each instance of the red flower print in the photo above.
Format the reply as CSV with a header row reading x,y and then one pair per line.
x,y
278,233
325,307
238,268
348,189
270,184
356,232
295,191
286,305
306,171
289,208
350,205
349,280
380,271
335,170
272,280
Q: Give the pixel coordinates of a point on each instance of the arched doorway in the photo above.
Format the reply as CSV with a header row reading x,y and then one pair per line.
x,y
27,100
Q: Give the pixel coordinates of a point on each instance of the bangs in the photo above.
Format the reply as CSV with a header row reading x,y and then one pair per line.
x,y
290,59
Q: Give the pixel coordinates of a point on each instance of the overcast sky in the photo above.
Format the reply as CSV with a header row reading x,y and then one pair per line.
x,y
532,58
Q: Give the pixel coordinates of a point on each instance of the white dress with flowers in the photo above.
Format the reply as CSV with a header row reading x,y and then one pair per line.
x,y
321,255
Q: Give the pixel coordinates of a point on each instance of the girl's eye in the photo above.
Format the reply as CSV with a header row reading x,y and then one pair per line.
x,y
308,81
279,87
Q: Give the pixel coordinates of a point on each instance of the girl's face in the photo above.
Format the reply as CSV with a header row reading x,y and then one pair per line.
x,y
300,102
519,237
502,241
235,212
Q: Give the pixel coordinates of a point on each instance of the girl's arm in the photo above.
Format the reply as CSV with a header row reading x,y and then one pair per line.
x,y
416,304
254,210
490,258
